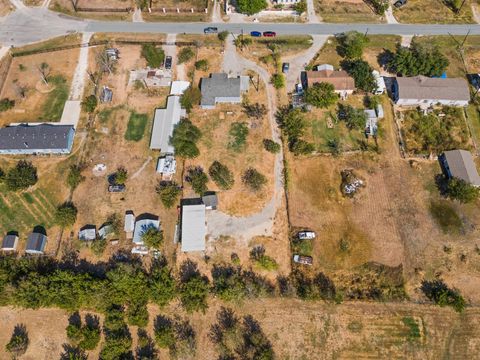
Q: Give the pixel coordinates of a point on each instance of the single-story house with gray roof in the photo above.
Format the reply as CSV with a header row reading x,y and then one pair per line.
x,y
459,164
24,139
221,89
425,92
36,243
164,122
193,225
10,242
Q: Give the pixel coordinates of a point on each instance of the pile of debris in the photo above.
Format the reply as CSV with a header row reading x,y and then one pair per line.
x,y
351,183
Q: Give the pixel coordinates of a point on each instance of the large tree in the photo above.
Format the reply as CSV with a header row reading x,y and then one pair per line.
x,y
354,118
66,214
221,175
462,191
321,95
22,176
361,71
352,44
152,237
184,139
251,7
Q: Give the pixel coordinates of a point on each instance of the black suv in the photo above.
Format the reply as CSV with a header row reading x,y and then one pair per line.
x,y
168,62
210,30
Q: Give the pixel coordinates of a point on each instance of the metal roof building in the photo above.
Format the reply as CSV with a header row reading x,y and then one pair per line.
x,y
219,88
36,243
459,164
143,225
88,233
10,242
164,123
193,225
36,139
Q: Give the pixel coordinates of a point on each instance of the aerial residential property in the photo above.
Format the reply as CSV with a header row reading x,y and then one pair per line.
x,y
239,179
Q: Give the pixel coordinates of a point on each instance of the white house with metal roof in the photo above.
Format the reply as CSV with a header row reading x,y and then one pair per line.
x,y
36,243
193,225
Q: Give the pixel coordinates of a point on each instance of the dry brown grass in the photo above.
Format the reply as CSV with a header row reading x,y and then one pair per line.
x,y
432,11
5,7
346,11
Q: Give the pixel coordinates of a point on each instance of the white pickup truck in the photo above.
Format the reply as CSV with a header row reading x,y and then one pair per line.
x,y
305,260
306,235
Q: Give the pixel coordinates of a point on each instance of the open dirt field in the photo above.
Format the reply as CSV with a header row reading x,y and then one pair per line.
x,y
346,11
66,7
111,4
5,7
433,11
180,4
41,102
297,330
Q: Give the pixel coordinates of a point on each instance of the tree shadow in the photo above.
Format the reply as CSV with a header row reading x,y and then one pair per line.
x,y
75,319
73,353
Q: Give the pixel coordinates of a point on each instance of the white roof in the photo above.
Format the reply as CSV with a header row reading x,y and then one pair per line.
x,y
379,79
141,226
325,67
193,227
89,233
167,165
129,222
163,124
179,87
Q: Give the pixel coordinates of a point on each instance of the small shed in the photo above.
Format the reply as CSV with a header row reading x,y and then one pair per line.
x,y
167,166
36,243
10,242
105,230
129,224
88,233
210,199
193,225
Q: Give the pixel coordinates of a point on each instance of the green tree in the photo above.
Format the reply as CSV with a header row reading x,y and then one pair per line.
x,y
420,58
221,175
361,71
161,283
75,177
121,176
184,139
380,6
321,95
354,118
145,347
271,146
153,55
73,353
66,214
278,81
238,133
352,44
222,35
185,54
292,123
442,295
197,178
301,6
250,7
19,341
98,246
90,333
256,110
193,287
202,65
152,237
301,147
190,98
22,176
164,332
169,191
6,104
462,191
253,179
118,340
90,103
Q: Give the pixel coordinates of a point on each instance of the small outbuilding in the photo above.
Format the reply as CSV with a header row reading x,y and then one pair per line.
x,y
129,224
107,95
143,223
88,233
36,243
105,230
167,166
459,164
210,200
10,242
193,225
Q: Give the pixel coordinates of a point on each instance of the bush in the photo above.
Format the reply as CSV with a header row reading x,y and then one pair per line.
x,y
6,104
19,341
253,179
164,332
153,55
98,246
202,65
197,178
66,215
271,146
221,175
380,6
89,104
354,118
361,71
352,44
462,191
321,95
152,237
278,81
185,55
238,136
121,176
222,35
442,295
169,192
190,98
250,7
301,147
193,287
184,139
257,255
256,110
22,176
75,177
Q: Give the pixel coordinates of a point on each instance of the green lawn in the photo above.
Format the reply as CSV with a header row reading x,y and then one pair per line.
x,y
136,126
22,211
53,107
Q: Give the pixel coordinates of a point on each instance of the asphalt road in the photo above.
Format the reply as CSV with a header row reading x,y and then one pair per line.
x,y
27,25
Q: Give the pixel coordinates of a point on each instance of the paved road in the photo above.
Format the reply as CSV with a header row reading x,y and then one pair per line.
x,y
27,25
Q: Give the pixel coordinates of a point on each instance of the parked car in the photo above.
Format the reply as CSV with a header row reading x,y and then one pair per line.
x,y
256,34
168,62
299,89
285,67
210,30
301,259
399,3
269,34
306,235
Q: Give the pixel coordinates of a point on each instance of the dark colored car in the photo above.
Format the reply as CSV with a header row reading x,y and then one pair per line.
x,y
168,62
210,30
285,67
256,34
269,34
400,3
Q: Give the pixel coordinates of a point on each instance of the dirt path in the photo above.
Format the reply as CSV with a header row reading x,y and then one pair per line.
x,y
216,13
139,171
137,15
475,13
389,16
313,17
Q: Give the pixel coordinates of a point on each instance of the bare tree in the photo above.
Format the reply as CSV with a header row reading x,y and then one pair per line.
x,y
105,62
44,70
21,90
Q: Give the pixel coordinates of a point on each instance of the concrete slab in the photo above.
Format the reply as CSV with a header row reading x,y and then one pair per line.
x,y
71,113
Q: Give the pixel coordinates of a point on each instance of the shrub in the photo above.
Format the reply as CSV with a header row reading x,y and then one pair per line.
x,y
462,191
361,71
442,295
152,237
121,176
256,110
278,81
321,95
6,104
66,214
153,55
98,246
197,178
185,55
22,176
301,147
19,341
202,65
89,104
271,146
354,118
253,179
257,254
190,98
184,139
75,177
380,6
222,35
352,44
238,136
221,175
169,192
